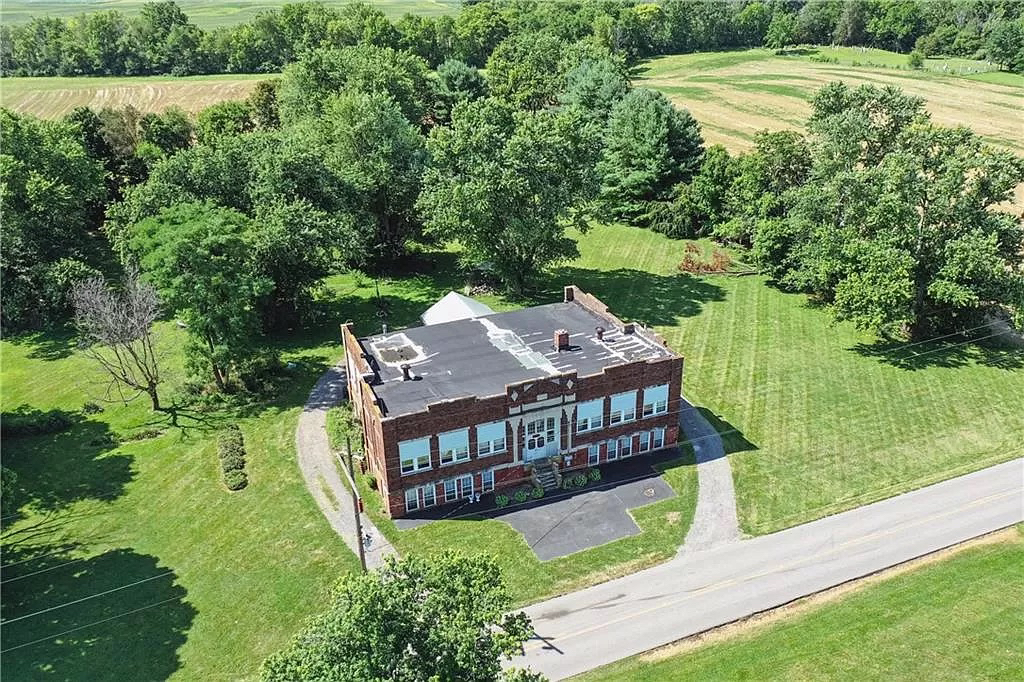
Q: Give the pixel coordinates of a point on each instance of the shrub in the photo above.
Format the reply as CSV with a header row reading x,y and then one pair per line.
x,y
232,462
26,421
371,480
594,474
537,492
580,480
520,495
91,408
145,434
501,500
235,479
567,483
915,60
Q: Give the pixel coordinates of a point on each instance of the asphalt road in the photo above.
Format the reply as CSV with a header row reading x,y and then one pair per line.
x,y
700,590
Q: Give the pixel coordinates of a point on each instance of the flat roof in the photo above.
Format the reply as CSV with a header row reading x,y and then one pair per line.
x,y
481,356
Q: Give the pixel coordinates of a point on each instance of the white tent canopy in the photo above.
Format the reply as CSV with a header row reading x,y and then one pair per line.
x,y
454,306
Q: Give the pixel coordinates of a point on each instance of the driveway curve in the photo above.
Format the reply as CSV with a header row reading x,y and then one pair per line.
x,y
320,468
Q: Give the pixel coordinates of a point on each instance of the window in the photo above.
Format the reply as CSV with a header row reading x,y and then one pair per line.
x,y
415,455
487,481
454,446
655,400
626,446
449,490
466,486
490,438
589,415
645,442
429,498
412,499
613,450
659,439
623,408
593,454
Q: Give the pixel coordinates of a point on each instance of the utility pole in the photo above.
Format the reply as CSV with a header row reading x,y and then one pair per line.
x,y
350,473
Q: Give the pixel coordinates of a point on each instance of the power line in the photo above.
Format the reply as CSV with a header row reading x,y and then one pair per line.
x,y
43,570
89,625
91,596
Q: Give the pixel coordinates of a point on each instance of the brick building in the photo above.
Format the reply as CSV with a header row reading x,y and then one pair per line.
x,y
482,402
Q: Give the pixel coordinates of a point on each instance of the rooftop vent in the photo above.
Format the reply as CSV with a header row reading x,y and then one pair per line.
x,y
561,339
406,372
599,331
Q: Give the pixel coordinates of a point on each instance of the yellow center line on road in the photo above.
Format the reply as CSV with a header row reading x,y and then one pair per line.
x,y
785,567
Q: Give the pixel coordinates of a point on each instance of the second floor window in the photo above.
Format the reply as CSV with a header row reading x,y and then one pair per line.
x,y
490,438
589,415
655,400
414,455
623,408
454,446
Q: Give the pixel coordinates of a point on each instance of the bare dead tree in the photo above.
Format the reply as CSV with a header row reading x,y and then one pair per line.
x,y
117,328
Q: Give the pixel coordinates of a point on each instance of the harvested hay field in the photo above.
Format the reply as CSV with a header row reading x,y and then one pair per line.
x,y
54,97
736,94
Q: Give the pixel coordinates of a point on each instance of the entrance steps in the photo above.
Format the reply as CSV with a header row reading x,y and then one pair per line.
x,y
545,474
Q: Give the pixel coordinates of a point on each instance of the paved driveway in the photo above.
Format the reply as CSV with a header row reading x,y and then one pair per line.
x,y
587,519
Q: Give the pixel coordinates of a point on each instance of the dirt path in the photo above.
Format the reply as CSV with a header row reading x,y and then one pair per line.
x,y
320,470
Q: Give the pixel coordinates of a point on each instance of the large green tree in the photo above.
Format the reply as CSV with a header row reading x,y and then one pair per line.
x,y
456,82
505,183
593,88
649,147
524,69
51,192
418,619
197,257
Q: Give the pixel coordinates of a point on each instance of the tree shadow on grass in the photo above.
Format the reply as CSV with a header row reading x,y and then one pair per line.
x,y
116,616
951,352
56,470
51,344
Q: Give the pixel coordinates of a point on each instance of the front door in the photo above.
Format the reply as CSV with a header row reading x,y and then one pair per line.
x,y
541,439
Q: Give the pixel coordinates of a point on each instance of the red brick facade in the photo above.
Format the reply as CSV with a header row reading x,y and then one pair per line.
x,y
555,396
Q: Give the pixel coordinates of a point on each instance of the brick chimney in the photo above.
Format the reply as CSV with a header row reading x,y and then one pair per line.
x,y
561,339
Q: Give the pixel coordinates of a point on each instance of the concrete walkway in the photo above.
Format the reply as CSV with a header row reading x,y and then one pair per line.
x,y
320,467
700,590
714,520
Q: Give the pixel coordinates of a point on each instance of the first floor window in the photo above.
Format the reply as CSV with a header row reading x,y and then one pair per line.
x,y
659,438
414,455
454,446
626,446
487,481
613,449
412,499
593,454
466,486
645,442
449,490
429,499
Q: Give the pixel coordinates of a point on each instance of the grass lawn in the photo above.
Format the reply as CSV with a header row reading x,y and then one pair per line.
x,y
212,581
957,619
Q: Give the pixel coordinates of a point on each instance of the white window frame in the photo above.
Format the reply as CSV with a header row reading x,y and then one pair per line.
x,y
433,495
462,490
585,418
625,446
491,446
655,400
487,480
453,455
414,499
645,442
658,440
418,458
451,492
613,450
594,454
623,415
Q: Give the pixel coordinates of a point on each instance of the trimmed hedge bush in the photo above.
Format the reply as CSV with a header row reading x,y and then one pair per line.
x,y
594,474
537,492
231,451
501,501
521,495
580,480
235,479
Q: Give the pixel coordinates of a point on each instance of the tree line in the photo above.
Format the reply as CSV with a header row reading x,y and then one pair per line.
x,y
355,155
162,40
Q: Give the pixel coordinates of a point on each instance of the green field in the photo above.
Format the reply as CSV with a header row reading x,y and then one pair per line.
x,y
958,619
205,14
226,578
